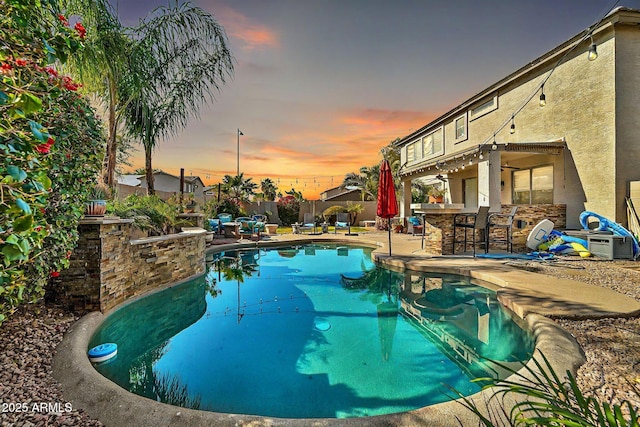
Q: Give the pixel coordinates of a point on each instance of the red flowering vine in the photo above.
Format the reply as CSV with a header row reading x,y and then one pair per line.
x,y
63,20
5,68
82,32
46,147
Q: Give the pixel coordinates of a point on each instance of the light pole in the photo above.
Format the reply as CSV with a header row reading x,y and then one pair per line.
x,y
238,162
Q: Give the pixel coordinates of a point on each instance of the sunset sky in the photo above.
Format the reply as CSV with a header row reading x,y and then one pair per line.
x,y
321,86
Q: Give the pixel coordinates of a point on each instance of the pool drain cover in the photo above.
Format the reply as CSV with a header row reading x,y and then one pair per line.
x,y
323,326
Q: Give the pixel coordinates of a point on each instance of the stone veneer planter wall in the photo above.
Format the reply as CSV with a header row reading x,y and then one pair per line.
x,y
107,267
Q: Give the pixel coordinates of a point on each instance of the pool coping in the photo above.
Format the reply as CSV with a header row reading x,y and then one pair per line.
x,y
102,399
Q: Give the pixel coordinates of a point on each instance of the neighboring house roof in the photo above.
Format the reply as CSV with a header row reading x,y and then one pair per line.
x,y
340,192
129,179
193,179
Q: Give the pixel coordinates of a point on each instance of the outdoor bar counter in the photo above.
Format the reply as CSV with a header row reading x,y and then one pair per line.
x,y
438,224
438,227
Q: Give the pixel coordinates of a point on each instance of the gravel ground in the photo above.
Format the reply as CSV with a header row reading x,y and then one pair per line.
x,y
29,396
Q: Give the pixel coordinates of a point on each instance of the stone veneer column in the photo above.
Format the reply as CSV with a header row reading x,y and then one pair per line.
x,y
107,267
102,242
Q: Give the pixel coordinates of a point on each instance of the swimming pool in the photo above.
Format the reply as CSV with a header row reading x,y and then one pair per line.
x,y
313,331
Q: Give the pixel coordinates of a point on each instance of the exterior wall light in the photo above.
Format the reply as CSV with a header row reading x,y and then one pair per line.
x,y
593,52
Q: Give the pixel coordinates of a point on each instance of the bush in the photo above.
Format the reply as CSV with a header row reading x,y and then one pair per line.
x,y
288,210
149,213
330,213
48,140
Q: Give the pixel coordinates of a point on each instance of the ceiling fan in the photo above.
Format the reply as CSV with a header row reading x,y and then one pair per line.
x,y
506,166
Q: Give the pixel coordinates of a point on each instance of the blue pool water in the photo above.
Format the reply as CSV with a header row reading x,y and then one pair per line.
x,y
315,331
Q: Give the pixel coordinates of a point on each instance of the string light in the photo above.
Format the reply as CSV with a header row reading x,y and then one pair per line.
x,y
494,146
513,125
543,99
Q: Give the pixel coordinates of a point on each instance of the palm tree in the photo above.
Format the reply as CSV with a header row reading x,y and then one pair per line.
x,y
179,59
101,66
238,187
156,76
269,189
295,194
366,181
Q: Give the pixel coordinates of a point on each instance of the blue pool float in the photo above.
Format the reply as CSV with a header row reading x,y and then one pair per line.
x,y
103,352
614,227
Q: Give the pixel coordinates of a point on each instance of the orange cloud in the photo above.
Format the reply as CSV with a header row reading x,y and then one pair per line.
x,y
251,35
309,159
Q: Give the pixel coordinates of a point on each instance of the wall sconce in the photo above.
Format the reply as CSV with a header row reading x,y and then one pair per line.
x,y
543,99
593,52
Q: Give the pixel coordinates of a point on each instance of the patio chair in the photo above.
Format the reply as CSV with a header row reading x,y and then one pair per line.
x,y
260,222
342,222
216,225
501,222
477,223
414,225
308,223
248,227
225,217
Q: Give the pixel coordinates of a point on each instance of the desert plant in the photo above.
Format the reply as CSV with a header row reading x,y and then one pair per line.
x,y
546,399
354,209
100,191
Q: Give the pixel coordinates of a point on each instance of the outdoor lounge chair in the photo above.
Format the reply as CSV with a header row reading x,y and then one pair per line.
x,y
504,222
343,222
477,223
308,223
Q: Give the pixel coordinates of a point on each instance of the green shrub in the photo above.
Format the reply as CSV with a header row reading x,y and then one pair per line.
x,y
330,213
288,210
149,213
48,140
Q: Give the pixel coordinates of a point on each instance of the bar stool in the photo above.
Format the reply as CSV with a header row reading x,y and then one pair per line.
x,y
474,222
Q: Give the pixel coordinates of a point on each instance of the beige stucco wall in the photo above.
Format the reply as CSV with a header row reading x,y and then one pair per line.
x,y
627,76
593,105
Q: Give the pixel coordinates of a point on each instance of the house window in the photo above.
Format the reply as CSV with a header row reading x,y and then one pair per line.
x,y
533,186
484,108
460,125
433,144
414,151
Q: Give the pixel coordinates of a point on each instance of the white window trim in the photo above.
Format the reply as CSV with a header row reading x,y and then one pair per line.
x,y
466,128
494,107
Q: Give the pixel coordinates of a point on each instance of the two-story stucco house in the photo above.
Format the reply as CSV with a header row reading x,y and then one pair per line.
x,y
558,136
169,183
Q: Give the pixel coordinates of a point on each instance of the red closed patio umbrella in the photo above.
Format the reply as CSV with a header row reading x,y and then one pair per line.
x,y
387,204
